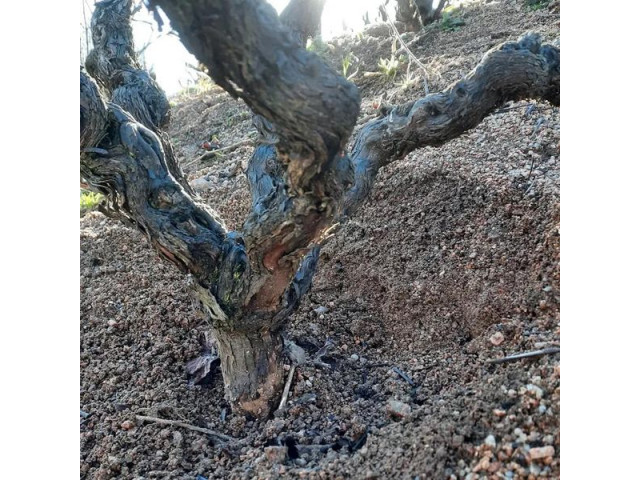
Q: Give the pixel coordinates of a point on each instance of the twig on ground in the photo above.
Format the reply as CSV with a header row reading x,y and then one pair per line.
x,y
320,354
425,73
533,163
315,448
538,107
176,423
287,387
370,365
214,153
404,376
85,416
518,356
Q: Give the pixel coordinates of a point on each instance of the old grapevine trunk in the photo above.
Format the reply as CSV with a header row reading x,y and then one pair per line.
x,y
302,181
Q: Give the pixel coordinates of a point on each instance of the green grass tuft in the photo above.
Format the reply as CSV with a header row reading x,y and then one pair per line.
x,y
89,201
389,66
451,20
537,4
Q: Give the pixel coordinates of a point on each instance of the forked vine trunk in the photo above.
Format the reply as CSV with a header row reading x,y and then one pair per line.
x,y
302,181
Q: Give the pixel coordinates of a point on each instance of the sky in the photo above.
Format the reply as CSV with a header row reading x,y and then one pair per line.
x,y
167,57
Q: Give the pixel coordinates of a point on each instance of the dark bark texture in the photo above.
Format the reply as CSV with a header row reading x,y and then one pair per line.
x,y
418,13
428,12
113,64
511,71
302,18
302,182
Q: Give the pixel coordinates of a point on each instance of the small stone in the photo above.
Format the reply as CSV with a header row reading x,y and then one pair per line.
x,y
296,353
127,425
398,409
111,322
535,390
520,435
321,309
276,454
499,412
496,339
201,184
537,453
354,357
490,441
482,465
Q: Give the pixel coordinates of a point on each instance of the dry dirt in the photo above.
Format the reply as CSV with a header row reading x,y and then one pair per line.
x,y
453,261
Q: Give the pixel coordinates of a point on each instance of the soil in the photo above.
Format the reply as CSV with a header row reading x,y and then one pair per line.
x,y
453,261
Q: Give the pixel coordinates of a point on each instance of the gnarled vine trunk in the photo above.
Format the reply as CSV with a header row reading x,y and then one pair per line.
x,y
302,181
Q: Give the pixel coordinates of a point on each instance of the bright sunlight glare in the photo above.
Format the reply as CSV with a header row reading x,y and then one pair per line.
x,y
168,59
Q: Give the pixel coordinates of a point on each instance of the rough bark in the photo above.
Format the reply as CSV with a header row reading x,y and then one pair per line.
x,y
303,18
511,71
312,110
300,177
129,167
427,12
114,65
252,368
407,14
418,13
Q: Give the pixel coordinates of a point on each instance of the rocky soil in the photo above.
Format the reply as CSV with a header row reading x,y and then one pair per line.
x,y
452,262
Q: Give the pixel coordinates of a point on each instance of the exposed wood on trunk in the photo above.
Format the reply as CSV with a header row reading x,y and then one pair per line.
x,y
252,368
312,110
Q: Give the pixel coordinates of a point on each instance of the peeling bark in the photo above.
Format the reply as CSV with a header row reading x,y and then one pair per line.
x,y
301,180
